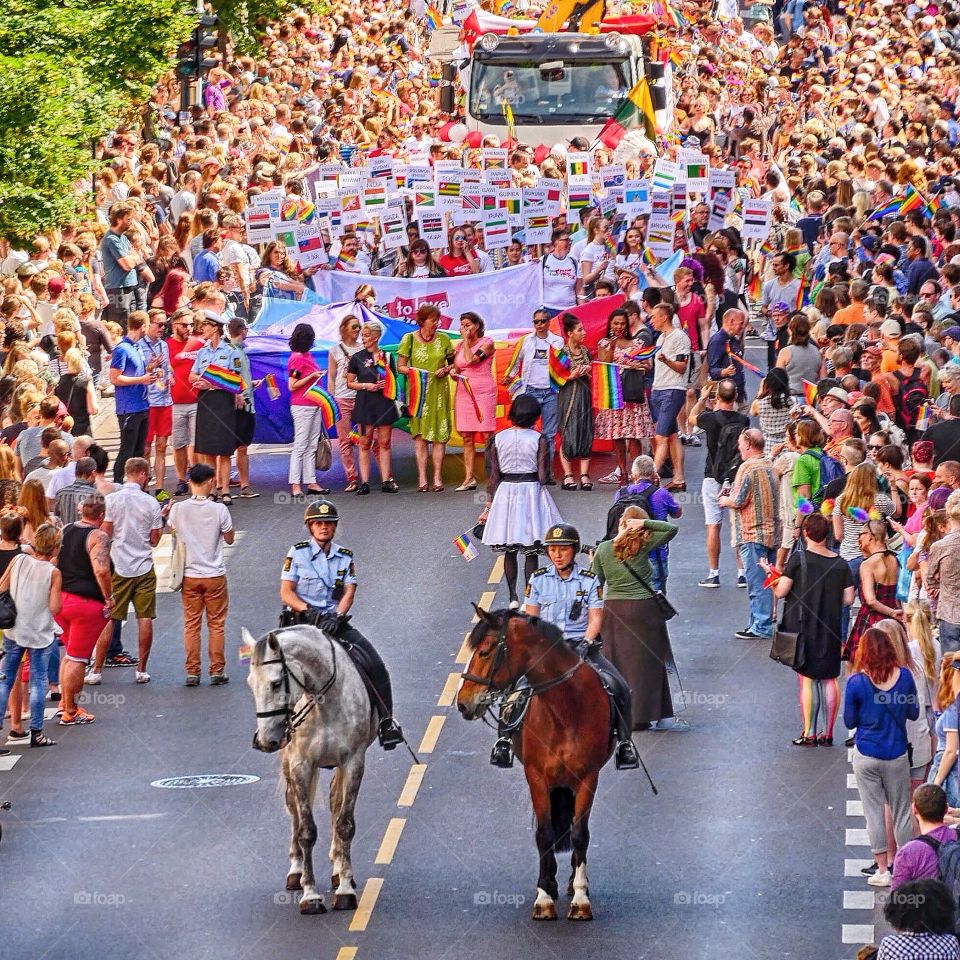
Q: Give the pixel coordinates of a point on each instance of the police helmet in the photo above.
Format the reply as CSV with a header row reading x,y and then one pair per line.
x,y
321,510
562,535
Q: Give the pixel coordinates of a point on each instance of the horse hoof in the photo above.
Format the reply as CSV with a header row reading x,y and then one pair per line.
x,y
544,911
345,901
312,907
293,881
580,911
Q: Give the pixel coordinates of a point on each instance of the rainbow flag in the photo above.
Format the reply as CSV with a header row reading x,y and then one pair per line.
x,y
912,200
648,257
923,417
222,378
468,388
767,249
558,366
746,364
433,18
465,545
885,211
417,391
245,653
273,390
645,353
393,389
609,245
345,260
329,411
809,392
634,112
802,294
795,248
355,434
607,388
755,287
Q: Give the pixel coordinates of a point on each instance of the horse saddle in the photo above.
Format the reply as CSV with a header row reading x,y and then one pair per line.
x,y
513,711
613,683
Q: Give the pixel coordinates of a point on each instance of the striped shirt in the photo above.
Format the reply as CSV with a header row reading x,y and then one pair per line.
x,y
756,497
66,504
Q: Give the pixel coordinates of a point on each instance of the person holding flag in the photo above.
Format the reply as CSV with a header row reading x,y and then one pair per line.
x,y
474,410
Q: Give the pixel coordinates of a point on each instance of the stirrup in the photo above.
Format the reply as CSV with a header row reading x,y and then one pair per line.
x,y
502,754
389,734
626,757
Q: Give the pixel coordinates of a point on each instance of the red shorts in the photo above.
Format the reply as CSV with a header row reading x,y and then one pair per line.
x,y
82,621
159,422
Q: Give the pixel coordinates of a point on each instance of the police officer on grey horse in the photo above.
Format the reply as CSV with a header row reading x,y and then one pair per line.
x,y
317,586
570,597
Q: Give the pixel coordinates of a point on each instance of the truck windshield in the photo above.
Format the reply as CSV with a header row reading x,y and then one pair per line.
x,y
579,92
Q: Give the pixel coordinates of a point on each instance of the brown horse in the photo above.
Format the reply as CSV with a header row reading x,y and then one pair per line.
x,y
563,742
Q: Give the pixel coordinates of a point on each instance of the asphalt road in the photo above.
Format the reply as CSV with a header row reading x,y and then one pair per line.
x,y
741,855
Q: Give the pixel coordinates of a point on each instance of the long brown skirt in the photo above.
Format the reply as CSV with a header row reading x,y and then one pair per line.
x,y
635,639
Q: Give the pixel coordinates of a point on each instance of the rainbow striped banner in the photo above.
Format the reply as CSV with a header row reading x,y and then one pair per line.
x,y
558,366
222,378
607,387
802,294
329,411
417,391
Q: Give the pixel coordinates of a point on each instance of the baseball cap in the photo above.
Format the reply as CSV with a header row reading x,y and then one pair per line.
x,y
890,328
952,332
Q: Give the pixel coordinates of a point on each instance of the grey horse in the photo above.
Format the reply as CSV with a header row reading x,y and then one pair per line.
x,y
313,707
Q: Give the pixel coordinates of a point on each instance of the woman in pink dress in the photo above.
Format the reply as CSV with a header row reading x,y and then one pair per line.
x,y
474,417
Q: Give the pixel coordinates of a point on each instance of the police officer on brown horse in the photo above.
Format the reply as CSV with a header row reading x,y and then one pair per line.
x,y
317,586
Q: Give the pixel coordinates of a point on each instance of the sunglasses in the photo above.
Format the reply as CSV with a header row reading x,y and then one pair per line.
x,y
874,447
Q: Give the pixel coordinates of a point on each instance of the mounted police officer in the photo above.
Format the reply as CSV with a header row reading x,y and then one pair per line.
x,y
317,586
570,597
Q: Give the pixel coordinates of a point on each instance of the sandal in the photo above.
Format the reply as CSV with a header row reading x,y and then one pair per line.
x,y
351,487
585,486
437,488
39,739
422,488
805,742
467,485
677,485
572,485
226,499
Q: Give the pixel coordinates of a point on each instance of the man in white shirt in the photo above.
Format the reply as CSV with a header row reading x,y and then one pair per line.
x,y
66,475
528,372
243,261
185,200
134,522
669,391
202,526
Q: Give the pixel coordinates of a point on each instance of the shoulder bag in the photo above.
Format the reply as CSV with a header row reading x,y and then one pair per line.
x,y
8,609
667,610
323,457
178,561
784,646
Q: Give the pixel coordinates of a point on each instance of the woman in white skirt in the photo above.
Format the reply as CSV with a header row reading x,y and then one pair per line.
x,y
518,466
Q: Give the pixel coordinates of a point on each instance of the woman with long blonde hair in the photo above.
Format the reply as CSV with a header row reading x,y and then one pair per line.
x,y
860,501
32,506
943,769
634,629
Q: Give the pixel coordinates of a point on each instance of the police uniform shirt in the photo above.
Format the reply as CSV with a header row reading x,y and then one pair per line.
x,y
317,574
557,598
225,355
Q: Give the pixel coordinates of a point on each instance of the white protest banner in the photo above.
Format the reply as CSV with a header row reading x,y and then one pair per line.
x,y
554,190
665,174
497,177
579,168
329,172
660,203
500,298
660,230
496,232
276,194
721,206
444,167
310,249
433,230
494,158
636,198
392,228
380,167
258,224
757,217
613,175
721,181
351,180
696,169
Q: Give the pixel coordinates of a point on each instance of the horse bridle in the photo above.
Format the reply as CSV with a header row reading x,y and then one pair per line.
x,y
296,717
500,655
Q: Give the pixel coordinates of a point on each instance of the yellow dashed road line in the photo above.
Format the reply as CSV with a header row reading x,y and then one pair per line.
x,y
368,900
410,788
388,846
431,734
449,690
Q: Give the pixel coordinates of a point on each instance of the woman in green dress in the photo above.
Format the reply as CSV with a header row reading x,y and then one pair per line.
x,y
634,631
430,350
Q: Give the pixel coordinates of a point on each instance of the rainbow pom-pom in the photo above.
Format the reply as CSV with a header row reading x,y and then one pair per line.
x,y
858,514
804,506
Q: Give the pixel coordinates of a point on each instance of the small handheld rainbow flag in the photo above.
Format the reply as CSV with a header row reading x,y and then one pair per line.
x,y
468,388
393,389
558,366
417,391
858,514
809,393
465,545
755,287
222,378
609,245
245,653
746,364
923,417
648,258
802,292
354,434
607,387
273,390
645,352
329,411
433,18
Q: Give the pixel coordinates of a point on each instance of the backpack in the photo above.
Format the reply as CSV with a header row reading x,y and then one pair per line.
x,y
641,500
830,470
911,396
948,864
726,458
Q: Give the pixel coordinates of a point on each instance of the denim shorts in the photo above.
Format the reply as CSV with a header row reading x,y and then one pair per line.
x,y
664,407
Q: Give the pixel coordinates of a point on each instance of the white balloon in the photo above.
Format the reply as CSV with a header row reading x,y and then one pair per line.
x,y
458,133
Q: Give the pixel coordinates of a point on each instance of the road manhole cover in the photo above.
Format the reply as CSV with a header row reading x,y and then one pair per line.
x,y
201,780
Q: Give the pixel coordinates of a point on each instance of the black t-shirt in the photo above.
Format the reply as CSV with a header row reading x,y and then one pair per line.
x,y
945,437
712,422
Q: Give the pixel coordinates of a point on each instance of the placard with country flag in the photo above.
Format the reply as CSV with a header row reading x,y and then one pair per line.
x,y
719,209
757,217
380,167
496,232
493,158
660,203
311,251
537,228
660,232
497,177
433,229
636,197
448,194
534,201
374,197
696,170
509,201
579,167
424,198
417,172
613,175
665,174
554,190
720,181
258,224
393,228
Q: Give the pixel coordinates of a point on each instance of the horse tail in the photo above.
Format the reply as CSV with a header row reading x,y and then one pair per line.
x,y
561,817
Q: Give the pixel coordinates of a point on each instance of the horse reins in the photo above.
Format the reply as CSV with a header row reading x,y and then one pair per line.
x,y
296,717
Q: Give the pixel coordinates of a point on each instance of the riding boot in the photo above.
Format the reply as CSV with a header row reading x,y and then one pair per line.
x,y
389,733
502,753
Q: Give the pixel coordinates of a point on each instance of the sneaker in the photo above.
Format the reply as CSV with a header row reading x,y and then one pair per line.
x,y
248,493
684,439
218,679
182,489
741,581
22,735
142,676
710,583
694,440
676,724
748,634
612,477
76,719
121,660
871,870
880,879
93,679
192,680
